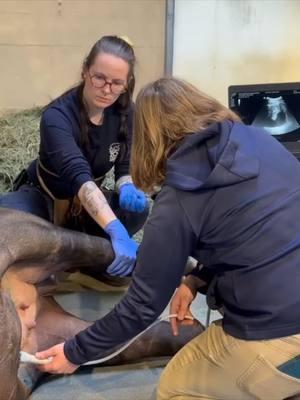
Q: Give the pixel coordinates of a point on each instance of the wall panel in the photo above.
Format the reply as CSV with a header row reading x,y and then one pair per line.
x,y
43,43
218,43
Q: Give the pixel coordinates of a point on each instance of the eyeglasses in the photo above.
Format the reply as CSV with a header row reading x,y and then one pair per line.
x,y
99,81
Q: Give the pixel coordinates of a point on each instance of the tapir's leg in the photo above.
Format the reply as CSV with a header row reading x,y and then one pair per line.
x,y
54,325
156,342
29,240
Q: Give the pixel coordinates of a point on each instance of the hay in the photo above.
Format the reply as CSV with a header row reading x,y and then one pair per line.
x,y
19,142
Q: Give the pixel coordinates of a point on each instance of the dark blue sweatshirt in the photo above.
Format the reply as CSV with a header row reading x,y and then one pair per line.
x,y
230,199
69,163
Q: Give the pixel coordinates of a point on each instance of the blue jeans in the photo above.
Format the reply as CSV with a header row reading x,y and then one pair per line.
x,y
29,198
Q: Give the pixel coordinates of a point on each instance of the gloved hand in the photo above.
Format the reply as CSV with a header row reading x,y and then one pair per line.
x,y
132,199
124,247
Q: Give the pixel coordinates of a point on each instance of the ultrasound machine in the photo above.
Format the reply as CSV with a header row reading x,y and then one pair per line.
x,y
273,107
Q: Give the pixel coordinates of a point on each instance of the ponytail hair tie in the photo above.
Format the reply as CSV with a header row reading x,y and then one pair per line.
x,y
126,39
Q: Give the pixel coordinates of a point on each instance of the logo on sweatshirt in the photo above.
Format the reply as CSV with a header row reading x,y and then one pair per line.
x,y
114,149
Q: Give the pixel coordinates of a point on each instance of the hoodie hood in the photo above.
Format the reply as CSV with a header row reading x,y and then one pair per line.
x,y
221,155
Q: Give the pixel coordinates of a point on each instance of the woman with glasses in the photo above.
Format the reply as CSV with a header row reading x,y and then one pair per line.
x,y
83,134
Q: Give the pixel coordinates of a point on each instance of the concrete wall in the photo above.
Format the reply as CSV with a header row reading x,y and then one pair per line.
x,y
218,43
43,43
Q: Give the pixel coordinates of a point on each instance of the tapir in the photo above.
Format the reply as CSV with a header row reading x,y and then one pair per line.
x,y
32,251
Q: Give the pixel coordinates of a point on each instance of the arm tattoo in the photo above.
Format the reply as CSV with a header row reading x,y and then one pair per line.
x,y
93,198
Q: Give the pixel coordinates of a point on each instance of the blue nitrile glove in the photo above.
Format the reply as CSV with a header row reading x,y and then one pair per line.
x,y
124,247
132,199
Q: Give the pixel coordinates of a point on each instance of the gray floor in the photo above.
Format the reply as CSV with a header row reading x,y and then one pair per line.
x,y
134,382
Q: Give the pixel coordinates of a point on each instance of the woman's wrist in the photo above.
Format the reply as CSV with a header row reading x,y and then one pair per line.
x,y
193,283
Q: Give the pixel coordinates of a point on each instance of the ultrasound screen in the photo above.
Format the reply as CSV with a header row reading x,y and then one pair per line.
x,y
276,111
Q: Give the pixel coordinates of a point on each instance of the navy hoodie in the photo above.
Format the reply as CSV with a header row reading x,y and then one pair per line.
x,y
67,163
230,199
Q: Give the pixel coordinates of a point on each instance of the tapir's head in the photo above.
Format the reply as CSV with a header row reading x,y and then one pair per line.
x,y
10,340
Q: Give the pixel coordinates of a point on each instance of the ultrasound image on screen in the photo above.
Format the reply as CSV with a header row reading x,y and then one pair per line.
x,y
277,112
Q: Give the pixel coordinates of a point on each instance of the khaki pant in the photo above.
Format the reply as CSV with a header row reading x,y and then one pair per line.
x,y
216,365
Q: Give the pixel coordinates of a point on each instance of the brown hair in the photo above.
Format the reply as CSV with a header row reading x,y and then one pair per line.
x,y
166,111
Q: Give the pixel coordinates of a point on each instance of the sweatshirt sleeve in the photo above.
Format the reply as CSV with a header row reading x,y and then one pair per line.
x,y
167,243
61,151
205,274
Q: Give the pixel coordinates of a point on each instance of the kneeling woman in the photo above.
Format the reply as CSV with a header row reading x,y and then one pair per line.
x,y
84,133
230,200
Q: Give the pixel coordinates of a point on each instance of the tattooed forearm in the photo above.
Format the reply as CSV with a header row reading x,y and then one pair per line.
x,y
95,203
92,198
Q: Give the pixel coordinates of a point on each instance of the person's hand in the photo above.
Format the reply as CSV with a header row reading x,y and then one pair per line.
x,y
124,247
180,304
132,199
59,364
